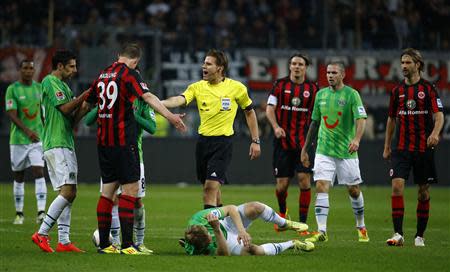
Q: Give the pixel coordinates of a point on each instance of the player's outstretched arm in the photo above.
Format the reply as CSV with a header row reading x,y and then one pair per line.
x,y
174,101
155,103
70,107
91,117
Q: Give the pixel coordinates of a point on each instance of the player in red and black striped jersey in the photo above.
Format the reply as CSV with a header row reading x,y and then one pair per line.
x,y
289,109
114,91
415,113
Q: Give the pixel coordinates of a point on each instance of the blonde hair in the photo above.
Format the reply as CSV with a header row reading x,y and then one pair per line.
x,y
197,235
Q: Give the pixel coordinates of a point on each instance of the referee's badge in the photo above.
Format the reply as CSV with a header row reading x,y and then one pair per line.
x,y
226,103
295,101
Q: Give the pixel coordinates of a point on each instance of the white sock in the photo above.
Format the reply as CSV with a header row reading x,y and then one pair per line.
x,y
269,215
19,192
115,225
358,209
276,248
53,213
40,189
139,224
64,225
322,207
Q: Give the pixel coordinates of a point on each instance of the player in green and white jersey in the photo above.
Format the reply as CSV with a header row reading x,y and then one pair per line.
x,y
23,100
340,117
145,117
59,107
223,231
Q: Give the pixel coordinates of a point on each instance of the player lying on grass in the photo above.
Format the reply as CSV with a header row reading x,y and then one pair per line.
x,y
223,231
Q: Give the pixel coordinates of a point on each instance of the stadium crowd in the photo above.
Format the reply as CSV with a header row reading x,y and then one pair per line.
x,y
341,24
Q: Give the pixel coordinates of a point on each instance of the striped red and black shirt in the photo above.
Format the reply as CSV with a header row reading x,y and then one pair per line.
x,y
413,107
114,92
293,109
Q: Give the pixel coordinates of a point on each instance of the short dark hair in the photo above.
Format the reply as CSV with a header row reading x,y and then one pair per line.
x,y
131,51
221,59
300,55
338,63
22,62
62,56
415,55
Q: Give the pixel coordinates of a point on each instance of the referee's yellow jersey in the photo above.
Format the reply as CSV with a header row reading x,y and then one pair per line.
x,y
217,105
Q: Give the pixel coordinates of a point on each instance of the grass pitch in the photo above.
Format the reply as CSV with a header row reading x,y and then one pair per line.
x,y
169,207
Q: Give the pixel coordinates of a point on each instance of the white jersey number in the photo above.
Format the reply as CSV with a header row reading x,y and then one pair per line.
x,y
111,94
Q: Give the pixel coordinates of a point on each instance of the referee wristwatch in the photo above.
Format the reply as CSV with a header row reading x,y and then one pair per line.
x,y
256,141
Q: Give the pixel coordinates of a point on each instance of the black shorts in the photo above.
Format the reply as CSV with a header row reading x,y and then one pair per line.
x,y
213,156
119,164
286,162
422,164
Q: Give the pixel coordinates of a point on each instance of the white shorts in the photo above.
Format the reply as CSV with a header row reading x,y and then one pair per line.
x,y
24,156
62,166
232,232
141,192
346,170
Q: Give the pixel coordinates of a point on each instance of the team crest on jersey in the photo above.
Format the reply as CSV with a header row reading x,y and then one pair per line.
x,y
295,101
60,95
306,94
226,103
216,213
421,95
411,104
9,103
144,86
342,102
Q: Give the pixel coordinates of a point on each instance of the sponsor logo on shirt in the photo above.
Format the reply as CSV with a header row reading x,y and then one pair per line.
x,y
285,107
361,110
295,101
60,95
410,112
216,213
331,126
411,104
421,95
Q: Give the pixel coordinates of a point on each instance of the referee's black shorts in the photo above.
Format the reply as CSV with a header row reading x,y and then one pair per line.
x,y
422,164
119,164
213,156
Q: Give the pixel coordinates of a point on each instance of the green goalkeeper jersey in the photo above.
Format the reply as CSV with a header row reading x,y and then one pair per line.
x,y
199,218
57,127
337,111
26,100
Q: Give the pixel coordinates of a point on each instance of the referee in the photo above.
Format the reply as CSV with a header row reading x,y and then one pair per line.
x,y
218,98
